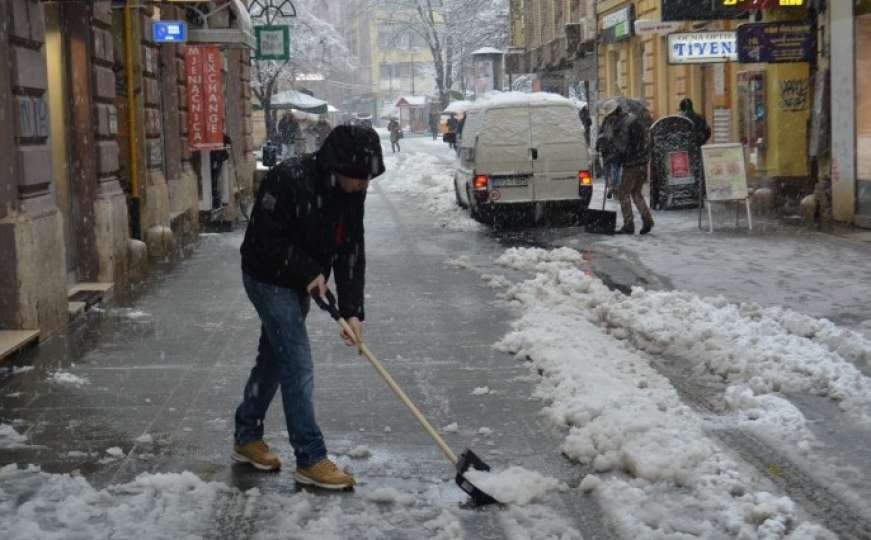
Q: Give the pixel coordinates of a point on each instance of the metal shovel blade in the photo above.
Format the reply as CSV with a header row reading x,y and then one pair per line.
x,y
470,460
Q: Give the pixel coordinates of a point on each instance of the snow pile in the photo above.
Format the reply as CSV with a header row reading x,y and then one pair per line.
x,y
67,378
9,438
359,452
622,416
514,485
453,427
145,438
55,506
35,504
760,351
428,183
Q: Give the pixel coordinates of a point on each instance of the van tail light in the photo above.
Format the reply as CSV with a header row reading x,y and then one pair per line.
x,y
480,183
584,178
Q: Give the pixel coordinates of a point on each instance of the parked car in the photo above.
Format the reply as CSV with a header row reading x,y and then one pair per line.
x,y
521,153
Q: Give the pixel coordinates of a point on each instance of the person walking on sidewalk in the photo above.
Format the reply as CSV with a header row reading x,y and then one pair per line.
x,y
395,134
307,220
288,129
434,125
629,148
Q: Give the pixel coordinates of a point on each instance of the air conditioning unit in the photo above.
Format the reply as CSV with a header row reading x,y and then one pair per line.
x,y
574,35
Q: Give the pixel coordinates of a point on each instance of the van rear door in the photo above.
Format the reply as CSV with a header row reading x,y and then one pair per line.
x,y
502,153
560,152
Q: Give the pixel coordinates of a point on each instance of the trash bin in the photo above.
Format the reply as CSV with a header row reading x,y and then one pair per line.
x,y
269,154
675,164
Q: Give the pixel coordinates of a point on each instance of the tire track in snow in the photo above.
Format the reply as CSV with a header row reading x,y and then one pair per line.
x,y
832,511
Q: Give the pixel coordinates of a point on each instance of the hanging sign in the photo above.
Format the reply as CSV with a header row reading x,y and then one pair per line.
x,y
775,43
618,25
205,97
702,48
169,31
273,42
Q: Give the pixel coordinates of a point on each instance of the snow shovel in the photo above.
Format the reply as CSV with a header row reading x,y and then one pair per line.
x,y
600,221
467,460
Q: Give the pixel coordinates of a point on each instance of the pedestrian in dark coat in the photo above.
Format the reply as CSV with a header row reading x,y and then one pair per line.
x,y
700,127
626,140
395,134
288,129
453,127
434,125
307,221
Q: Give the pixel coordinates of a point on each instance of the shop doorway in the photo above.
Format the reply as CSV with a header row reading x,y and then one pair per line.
x,y
59,122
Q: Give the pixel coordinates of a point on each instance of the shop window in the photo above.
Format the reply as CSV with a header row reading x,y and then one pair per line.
x,y
613,76
638,70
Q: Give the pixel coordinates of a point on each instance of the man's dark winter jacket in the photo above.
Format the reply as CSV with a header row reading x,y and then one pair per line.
x,y
629,140
302,226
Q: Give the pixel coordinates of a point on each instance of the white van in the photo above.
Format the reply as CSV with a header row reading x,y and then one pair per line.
x,y
520,152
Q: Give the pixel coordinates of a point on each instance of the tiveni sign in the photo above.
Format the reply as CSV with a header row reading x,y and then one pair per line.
x,y
702,48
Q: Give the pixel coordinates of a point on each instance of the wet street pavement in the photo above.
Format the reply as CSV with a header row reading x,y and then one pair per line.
x,y
149,383
159,375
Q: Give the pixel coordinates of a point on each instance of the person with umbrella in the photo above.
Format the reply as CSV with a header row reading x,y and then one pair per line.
x,y
624,144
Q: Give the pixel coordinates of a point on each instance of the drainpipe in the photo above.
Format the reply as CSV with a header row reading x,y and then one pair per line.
x,y
135,212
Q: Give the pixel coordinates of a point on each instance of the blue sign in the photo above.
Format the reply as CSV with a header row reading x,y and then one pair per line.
x,y
170,31
774,43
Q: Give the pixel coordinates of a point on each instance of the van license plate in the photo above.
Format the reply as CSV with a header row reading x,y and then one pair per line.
x,y
510,182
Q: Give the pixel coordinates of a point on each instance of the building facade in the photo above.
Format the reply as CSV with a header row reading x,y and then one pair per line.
x,y
850,46
766,106
555,41
97,148
391,61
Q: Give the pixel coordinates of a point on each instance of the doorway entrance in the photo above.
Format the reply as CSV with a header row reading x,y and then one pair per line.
x,y
59,121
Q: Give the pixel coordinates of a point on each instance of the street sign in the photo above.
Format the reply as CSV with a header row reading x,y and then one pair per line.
x,y
645,26
273,42
169,31
774,43
619,24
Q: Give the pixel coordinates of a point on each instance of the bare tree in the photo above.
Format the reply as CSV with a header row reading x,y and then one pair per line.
x,y
316,47
451,29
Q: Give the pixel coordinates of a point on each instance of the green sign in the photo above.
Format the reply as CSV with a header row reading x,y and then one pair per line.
x,y
273,42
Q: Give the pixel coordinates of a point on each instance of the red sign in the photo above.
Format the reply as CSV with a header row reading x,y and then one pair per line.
x,y
205,97
679,164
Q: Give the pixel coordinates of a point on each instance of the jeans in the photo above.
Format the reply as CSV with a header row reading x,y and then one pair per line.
x,y
283,359
612,175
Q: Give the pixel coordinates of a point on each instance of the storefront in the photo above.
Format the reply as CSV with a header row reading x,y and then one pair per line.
x,y
851,111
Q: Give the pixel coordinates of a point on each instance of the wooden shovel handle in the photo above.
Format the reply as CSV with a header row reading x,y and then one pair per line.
x,y
452,457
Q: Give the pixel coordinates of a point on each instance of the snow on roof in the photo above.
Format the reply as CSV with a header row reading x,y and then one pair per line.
x,y
411,101
488,50
291,99
458,106
507,99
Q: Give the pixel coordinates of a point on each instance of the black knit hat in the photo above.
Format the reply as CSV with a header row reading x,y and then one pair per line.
x,y
353,151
